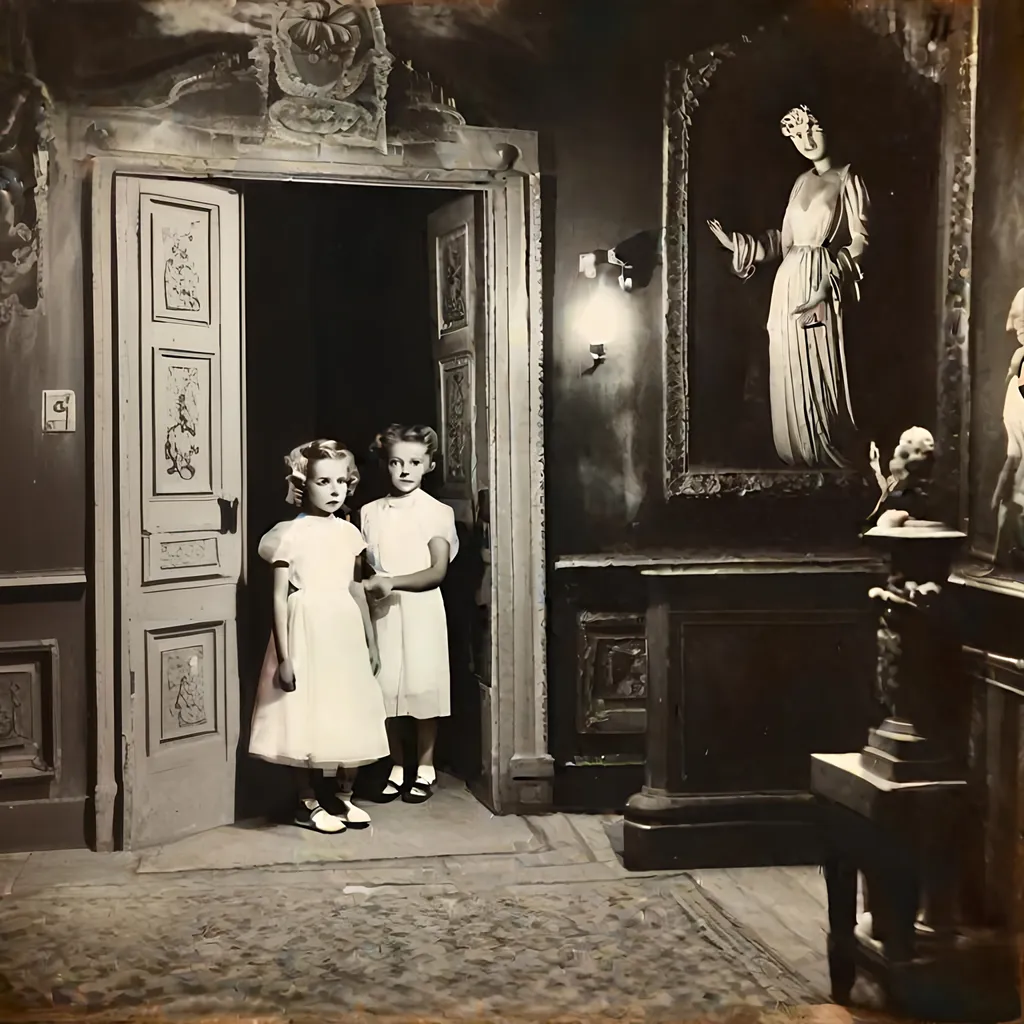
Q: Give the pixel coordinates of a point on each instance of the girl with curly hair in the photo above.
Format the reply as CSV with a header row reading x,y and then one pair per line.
x,y
410,539
318,706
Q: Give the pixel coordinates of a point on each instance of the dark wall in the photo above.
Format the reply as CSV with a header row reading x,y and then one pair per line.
x,y
45,519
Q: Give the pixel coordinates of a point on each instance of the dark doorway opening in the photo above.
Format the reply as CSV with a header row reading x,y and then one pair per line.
x,y
338,343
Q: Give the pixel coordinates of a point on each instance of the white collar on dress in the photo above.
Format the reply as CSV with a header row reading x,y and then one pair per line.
x,y
406,502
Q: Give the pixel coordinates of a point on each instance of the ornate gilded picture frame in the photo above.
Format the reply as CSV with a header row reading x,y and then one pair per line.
x,y
940,80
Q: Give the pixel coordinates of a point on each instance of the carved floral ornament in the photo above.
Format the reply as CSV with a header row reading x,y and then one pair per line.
x,y
320,67
332,64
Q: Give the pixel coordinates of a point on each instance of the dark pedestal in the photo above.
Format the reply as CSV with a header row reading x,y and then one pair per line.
x,y
749,669
902,837
665,831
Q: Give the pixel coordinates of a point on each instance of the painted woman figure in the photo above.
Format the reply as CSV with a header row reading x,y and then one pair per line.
x,y
1008,497
809,388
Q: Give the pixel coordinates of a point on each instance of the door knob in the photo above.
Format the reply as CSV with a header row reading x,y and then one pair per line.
x,y
228,514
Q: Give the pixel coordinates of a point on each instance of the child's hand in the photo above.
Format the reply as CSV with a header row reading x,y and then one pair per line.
x,y
375,659
286,675
377,587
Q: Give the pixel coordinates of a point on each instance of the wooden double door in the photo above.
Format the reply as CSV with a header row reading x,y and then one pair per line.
x,y
179,308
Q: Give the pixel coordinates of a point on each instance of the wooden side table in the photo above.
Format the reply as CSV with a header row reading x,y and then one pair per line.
x,y
902,837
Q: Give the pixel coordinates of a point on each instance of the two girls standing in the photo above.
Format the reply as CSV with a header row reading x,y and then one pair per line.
x,y
319,707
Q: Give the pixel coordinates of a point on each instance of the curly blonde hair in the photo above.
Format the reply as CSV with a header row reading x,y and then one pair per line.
x,y
397,433
795,119
299,459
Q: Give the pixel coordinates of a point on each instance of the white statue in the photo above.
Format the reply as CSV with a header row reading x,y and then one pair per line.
x,y
809,387
909,470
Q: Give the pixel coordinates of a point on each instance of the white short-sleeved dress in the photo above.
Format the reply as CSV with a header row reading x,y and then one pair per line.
x,y
335,715
412,631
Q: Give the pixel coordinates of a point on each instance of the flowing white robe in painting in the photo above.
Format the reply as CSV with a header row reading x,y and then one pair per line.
x,y
1013,411
808,382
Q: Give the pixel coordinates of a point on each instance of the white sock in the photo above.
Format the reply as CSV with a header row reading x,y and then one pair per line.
x,y
397,776
427,773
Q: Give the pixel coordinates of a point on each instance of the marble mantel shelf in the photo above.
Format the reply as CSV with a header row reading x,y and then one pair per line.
x,y
708,562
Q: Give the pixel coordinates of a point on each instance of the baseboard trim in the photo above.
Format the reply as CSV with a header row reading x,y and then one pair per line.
x,y
29,825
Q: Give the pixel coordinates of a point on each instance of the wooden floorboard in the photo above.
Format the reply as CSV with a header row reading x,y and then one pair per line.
x,y
784,907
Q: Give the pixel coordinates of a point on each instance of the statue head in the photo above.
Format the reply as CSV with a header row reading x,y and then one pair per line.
x,y
1015,319
915,449
801,127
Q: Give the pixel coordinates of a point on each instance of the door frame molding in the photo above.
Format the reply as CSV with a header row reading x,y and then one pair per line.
x,y
521,767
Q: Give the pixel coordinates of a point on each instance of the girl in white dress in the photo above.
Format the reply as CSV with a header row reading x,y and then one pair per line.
x,y
318,706
410,539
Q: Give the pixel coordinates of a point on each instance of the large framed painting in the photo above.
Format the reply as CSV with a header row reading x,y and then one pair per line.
x,y
996,505
814,249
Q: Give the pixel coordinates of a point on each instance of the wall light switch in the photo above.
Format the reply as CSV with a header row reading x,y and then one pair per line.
x,y
58,412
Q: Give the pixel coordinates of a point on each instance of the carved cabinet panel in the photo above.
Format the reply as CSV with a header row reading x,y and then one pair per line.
x,y
612,673
29,710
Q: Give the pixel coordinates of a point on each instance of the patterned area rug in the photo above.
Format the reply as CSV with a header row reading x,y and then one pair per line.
x,y
644,948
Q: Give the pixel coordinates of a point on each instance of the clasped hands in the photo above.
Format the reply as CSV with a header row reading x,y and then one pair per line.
x,y
806,309
377,587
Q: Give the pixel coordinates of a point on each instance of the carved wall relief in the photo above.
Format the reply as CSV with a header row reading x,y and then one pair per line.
x,y
612,673
184,694
181,266
301,70
28,709
451,268
182,408
331,68
457,417
189,554
418,109
24,140
184,689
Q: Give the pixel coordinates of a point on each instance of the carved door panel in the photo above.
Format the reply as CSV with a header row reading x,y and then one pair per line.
x,y
460,377
460,382
180,369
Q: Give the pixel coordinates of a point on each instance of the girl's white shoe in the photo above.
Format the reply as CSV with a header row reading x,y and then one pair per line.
x,y
354,817
312,816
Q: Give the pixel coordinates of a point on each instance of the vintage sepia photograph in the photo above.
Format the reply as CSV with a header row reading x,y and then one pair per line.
x,y
514,511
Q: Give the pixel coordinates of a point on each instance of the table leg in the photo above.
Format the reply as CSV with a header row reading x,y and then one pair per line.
x,y
841,883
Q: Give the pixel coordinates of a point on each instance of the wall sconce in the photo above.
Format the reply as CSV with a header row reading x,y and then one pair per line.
x,y
590,261
636,259
601,317
604,312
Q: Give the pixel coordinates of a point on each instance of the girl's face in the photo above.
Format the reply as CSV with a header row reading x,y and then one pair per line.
x,y
809,140
407,462
326,486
